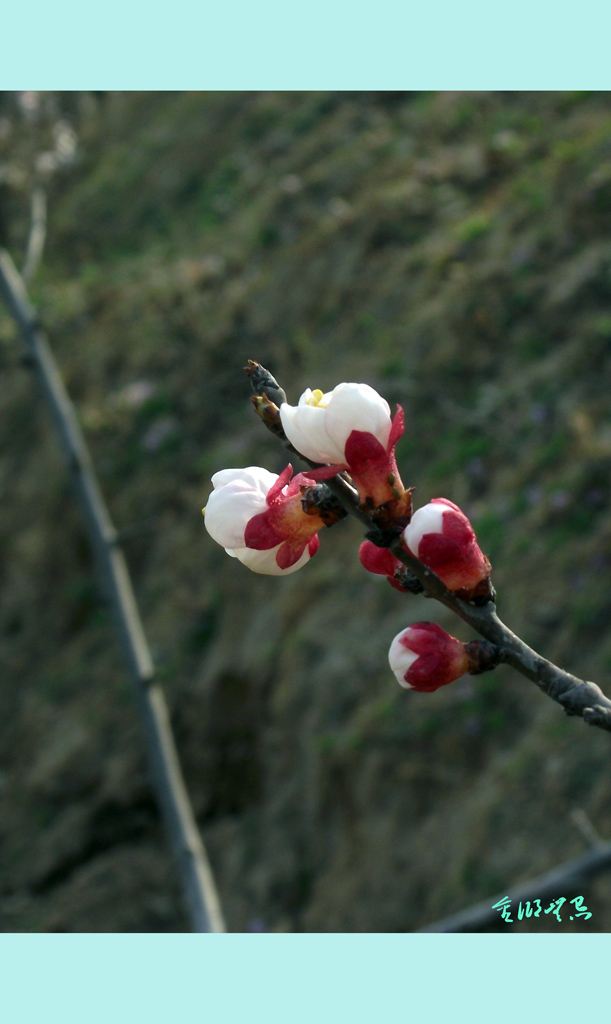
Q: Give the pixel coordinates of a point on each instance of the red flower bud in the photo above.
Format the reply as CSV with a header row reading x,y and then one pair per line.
x,y
442,537
425,657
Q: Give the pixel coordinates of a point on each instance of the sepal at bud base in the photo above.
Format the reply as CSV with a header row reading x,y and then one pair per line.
x,y
382,562
373,468
425,657
442,537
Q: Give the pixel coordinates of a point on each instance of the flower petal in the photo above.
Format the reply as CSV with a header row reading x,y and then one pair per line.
x,y
264,562
401,660
357,407
229,509
428,519
255,476
288,414
310,421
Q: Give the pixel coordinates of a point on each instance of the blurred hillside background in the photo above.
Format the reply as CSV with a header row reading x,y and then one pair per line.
x,y
453,251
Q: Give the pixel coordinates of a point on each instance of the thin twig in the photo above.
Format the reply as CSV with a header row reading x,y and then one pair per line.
x,y
570,876
195,873
576,696
37,234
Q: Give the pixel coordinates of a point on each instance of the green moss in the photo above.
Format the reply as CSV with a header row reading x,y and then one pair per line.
x,y
326,744
553,451
532,191
392,368
459,449
530,347
158,404
521,544
473,228
585,612
602,326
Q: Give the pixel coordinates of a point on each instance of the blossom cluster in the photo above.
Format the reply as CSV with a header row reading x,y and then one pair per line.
x,y
270,523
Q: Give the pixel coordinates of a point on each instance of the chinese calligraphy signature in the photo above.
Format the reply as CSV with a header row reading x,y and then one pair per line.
x,y
528,909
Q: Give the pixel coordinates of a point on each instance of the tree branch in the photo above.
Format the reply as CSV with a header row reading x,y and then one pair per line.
x,y
576,696
193,866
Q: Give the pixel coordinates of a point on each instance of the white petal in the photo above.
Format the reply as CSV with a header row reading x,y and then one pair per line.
x,y
401,659
304,425
255,476
265,561
226,476
287,417
357,407
428,519
229,509
311,421
320,431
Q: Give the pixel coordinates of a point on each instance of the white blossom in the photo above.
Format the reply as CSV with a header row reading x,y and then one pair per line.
x,y
238,497
320,424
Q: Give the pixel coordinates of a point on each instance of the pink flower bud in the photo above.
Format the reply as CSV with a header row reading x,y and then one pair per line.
x,y
258,518
425,657
351,428
442,537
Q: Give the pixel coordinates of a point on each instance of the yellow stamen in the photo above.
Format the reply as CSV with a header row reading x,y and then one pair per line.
x,y
316,399
204,510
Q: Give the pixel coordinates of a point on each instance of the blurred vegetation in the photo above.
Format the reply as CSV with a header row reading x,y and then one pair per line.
x,y
452,250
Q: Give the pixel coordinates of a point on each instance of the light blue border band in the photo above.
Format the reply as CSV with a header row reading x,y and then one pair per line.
x,y
301,978
324,44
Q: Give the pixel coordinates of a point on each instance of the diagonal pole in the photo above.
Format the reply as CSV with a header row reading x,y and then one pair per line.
x,y
196,876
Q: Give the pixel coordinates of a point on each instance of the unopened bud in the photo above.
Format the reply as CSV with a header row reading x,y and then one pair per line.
x,y
442,537
263,383
425,657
